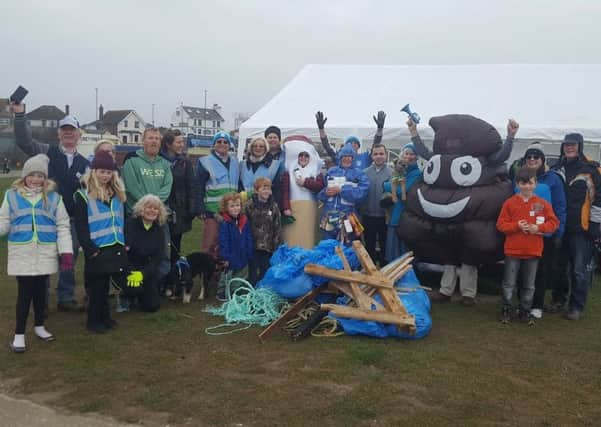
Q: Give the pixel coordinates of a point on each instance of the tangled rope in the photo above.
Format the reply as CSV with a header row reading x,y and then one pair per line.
x,y
246,306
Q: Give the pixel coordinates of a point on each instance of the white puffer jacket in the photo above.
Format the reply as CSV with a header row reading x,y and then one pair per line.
x,y
35,259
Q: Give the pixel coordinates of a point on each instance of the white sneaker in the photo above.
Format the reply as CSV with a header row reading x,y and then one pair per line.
x,y
537,313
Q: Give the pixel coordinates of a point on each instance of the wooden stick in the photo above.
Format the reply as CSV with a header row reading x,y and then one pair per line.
x,y
348,276
358,296
377,316
301,303
364,258
345,289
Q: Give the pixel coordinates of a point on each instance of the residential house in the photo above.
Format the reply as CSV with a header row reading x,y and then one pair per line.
x,y
44,122
5,114
197,121
127,125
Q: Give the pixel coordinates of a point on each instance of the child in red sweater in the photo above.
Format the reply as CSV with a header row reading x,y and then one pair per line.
x,y
524,218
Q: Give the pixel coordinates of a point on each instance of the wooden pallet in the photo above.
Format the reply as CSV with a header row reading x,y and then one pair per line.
x,y
361,287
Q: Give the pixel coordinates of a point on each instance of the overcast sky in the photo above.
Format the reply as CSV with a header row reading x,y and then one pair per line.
x,y
138,53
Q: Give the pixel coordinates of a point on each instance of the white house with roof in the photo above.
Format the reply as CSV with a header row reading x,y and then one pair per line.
x,y
127,125
197,121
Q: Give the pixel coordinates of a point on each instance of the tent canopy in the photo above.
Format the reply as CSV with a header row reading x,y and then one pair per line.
x,y
547,100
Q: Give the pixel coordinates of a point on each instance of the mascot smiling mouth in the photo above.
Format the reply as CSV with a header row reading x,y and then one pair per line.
x,y
442,211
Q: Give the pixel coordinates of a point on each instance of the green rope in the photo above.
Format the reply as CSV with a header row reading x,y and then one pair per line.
x,y
246,305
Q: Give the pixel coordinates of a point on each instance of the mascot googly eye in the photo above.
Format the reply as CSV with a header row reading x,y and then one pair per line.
x,y
432,169
466,170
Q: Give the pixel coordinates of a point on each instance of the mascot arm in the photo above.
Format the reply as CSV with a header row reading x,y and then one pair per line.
x,y
503,154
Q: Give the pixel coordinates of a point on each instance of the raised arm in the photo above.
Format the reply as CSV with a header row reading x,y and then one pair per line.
x,y
379,119
420,148
23,133
321,122
503,154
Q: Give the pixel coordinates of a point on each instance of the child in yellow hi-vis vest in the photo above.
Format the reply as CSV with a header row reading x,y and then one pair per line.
x,y
37,224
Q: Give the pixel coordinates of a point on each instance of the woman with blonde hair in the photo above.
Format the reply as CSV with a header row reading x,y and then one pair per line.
x,y
37,224
259,163
99,221
146,247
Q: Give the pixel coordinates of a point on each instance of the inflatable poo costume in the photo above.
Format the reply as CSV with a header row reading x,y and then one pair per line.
x,y
450,215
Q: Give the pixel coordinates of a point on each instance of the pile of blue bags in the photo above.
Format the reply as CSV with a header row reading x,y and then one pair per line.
x,y
287,278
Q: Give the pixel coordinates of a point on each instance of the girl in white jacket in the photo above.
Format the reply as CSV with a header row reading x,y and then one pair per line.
x,y
37,224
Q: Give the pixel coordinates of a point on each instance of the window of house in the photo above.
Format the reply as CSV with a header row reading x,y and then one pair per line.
x,y
124,139
43,123
214,124
177,112
208,132
136,138
124,123
136,124
218,124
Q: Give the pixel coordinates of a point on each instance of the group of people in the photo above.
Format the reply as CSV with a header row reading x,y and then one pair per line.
x,y
129,221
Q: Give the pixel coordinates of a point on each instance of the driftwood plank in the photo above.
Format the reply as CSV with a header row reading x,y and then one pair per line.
x,y
301,303
348,276
358,296
377,316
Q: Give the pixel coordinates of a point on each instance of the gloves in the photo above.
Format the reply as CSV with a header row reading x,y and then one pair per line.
x,y
134,279
379,119
594,231
66,262
320,119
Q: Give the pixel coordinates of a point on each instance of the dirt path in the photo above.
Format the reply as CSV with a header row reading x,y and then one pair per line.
x,y
23,413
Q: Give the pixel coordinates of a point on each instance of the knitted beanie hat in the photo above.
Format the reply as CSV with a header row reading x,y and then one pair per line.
x,y
37,163
273,129
535,148
103,160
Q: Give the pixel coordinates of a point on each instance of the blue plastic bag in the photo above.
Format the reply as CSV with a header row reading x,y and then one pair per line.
x,y
286,275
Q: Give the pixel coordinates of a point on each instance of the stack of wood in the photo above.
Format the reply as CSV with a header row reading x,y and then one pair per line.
x,y
361,287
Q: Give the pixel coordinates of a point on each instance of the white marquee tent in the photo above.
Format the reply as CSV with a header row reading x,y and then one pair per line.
x,y
547,100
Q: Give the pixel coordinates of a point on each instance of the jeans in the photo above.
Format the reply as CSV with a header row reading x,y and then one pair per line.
x,y
65,287
575,270
528,268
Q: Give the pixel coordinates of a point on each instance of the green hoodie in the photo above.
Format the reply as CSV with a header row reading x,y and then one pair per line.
x,y
142,176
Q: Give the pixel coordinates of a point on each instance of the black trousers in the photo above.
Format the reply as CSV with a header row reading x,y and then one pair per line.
x,y
176,247
375,231
98,303
548,272
30,288
258,266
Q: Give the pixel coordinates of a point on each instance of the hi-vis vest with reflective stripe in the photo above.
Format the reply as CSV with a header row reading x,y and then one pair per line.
x,y
248,177
221,180
32,222
105,222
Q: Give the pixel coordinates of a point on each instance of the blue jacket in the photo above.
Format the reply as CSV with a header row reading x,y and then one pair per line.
x,y
235,241
353,192
550,187
413,174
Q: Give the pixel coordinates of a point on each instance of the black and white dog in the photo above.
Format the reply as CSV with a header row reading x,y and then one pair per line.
x,y
186,269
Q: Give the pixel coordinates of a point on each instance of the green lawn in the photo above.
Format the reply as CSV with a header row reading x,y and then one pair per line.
x,y
163,369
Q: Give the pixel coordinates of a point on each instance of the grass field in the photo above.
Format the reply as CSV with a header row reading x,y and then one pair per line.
x,y
162,368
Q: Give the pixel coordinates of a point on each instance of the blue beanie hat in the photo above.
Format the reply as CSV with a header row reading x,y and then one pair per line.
x,y
409,146
222,135
352,138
